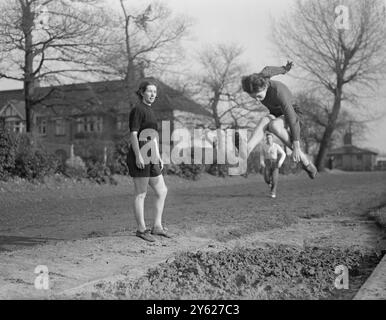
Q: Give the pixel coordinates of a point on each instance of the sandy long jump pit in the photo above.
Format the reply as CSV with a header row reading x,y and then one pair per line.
x,y
297,262
283,250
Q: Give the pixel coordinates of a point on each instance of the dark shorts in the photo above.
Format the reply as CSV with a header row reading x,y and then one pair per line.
x,y
151,170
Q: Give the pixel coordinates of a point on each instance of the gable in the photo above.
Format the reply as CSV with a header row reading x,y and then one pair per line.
x,y
13,109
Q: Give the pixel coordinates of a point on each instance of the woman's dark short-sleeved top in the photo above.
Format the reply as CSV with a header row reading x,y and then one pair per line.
x,y
142,117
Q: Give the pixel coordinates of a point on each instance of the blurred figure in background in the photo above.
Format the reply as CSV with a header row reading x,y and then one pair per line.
x,y
270,152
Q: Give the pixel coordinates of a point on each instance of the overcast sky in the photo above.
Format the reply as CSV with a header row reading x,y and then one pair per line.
x,y
247,22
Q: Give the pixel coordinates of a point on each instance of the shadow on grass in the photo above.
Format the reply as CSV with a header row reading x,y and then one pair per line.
x,y
10,243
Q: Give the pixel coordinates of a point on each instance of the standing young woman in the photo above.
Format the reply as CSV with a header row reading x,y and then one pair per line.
x,y
141,118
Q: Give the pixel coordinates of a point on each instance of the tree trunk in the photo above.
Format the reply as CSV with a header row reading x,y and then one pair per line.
x,y
213,106
28,67
324,144
131,81
130,77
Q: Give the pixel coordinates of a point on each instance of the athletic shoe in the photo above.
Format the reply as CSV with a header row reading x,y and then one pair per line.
x,y
311,170
273,195
160,232
145,235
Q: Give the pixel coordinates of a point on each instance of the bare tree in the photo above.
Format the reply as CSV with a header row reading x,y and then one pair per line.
x,y
146,38
46,40
344,57
219,87
315,115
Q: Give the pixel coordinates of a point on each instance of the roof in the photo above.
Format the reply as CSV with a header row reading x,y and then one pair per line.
x,y
17,105
102,96
350,149
172,99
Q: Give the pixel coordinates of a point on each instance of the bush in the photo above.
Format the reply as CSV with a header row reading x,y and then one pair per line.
x,y
19,156
187,171
35,164
218,170
75,168
118,160
8,150
99,173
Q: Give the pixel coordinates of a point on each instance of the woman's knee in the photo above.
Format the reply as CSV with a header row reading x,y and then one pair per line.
x,y
264,122
276,126
140,195
162,192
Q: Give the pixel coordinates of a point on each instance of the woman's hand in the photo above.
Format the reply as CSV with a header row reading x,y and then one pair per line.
x,y
296,152
288,66
140,162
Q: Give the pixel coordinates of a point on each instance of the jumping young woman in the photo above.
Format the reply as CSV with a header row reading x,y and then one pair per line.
x,y
283,119
141,118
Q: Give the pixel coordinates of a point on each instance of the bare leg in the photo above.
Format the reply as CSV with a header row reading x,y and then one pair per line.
x,y
277,127
257,136
258,133
267,174
275,178
140,187
160,189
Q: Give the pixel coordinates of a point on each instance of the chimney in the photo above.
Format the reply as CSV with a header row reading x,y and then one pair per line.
x,y
347,139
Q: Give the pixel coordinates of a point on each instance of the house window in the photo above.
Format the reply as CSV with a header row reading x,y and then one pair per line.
x,y
79,125
122,123
15,126
99,124
359,157
60,128
42,127
18,126
90,124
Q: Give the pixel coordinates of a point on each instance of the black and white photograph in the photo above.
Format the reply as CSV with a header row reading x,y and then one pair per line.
x,y
201,151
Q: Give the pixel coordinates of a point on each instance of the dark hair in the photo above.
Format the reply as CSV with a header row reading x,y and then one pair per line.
x,y
254,83
142,88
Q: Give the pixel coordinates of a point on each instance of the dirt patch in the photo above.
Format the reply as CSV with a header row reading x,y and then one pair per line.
x,y
280,272
85,233
296,262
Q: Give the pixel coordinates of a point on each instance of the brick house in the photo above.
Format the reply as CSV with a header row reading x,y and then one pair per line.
x,y
93,115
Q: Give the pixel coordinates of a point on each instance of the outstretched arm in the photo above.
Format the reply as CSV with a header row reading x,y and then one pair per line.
x,y
270,71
